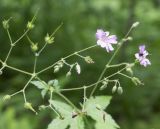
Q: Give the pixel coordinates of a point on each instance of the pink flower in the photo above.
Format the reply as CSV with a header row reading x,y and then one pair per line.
x,y
141,56
105,41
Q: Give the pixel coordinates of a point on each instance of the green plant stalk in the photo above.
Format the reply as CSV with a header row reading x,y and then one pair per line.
x,y
51,66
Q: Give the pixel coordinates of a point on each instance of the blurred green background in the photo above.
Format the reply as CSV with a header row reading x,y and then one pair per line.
x,y
137,108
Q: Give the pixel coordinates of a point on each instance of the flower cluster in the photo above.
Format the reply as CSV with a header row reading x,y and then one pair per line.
x,y
105,41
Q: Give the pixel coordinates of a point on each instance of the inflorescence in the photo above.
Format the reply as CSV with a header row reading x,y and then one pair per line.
x,y
103,39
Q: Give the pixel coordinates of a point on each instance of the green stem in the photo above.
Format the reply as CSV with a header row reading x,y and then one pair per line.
x,y
93,84
19,70
125,75
21,37
51,66
67,100
10,50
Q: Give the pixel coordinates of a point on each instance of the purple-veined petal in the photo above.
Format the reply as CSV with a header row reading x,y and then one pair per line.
x,y
100,34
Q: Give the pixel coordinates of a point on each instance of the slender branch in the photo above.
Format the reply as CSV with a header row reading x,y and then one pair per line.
x,y
21,37
40,51
19,70
93,84
67,100
125,75
9,37
35,63
51,66
8,54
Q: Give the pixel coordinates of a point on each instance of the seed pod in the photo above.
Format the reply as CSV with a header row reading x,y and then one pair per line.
x,y
34,47
28,105
5,24
30,25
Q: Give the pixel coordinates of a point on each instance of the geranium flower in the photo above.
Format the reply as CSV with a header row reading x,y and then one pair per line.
x,y
141,56
105,41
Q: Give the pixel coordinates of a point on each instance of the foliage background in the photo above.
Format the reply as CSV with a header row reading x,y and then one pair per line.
x,y
138,107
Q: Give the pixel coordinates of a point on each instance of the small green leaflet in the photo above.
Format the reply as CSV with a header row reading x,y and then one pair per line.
x,y
66,111
42,85
94,108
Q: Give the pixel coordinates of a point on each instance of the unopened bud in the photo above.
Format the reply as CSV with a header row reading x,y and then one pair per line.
x,y
88,59
30,25
120,90
114,89
6,97
129,38
136,81
135,24
105,84
78,68
56,69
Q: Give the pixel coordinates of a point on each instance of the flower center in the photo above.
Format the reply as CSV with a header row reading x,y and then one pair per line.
x,y
140,54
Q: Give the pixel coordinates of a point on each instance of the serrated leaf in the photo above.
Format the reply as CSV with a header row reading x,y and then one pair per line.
x,y
98,101
59,124
95,109
39,84
66,111
63,108
77,123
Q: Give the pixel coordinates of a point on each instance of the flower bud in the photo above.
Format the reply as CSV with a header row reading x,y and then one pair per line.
x,y
88,59
6,97
49,39
68,74
56,69
78,68
120,90
135,24
129,38
42,107
105,84
30,25
136,81
34,47
51,89
114,89
28,105
5,24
